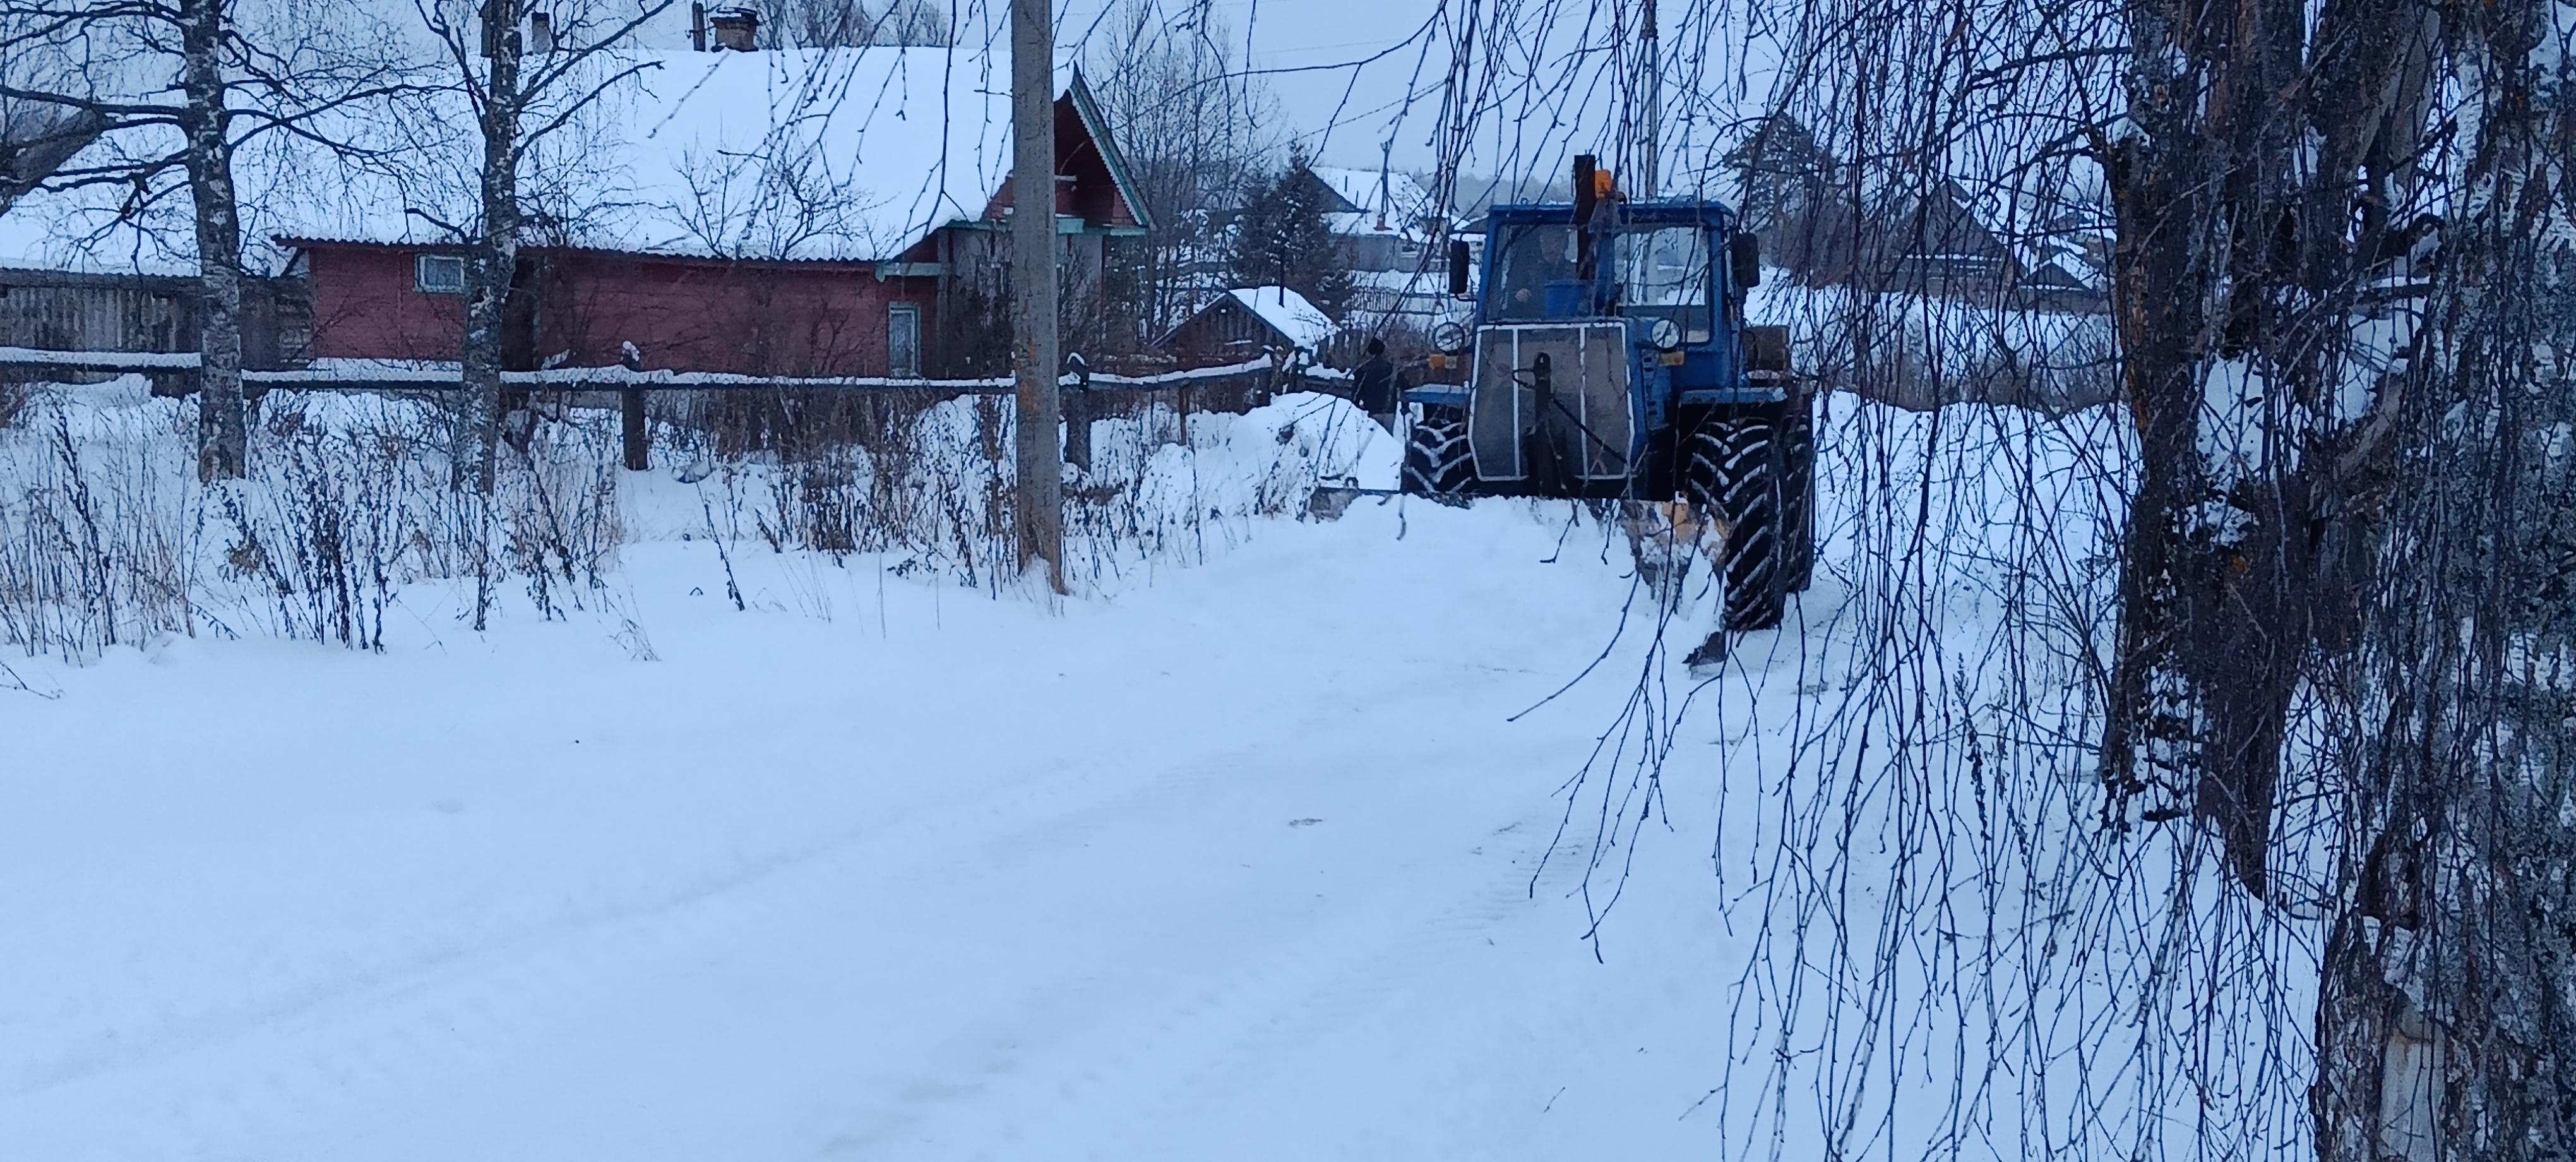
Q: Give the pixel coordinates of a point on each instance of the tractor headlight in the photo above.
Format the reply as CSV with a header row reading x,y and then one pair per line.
x,y
1449,337
1666,334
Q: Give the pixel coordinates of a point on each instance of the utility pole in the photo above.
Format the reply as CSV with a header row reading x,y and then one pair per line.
x,y
1651,130
1035,357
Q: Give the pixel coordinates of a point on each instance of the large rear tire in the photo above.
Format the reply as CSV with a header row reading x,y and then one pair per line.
x,y
1436,461
1732,470
1798,503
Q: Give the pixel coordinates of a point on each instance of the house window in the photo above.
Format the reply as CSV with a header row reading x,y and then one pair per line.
x,y
903,340
438,274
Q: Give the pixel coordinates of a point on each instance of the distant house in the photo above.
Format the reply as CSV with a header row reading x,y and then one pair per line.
x,y
1950,243
790,213
2002,246
912,285
1247,323
1384,221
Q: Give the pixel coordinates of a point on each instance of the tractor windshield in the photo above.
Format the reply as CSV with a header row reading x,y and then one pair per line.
x,y
1664,274
1531,256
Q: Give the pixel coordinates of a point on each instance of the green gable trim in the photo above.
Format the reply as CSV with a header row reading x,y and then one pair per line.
x,y
1093,123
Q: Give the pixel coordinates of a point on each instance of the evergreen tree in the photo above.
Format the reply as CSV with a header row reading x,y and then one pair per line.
x,y
1282,240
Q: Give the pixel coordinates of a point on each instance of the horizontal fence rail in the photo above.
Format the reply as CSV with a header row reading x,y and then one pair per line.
x,y
22,362
1240,385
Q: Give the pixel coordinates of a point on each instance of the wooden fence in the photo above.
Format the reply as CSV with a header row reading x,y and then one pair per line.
x,y
1236,388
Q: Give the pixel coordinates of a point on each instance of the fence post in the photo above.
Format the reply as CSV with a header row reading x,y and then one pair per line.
x,y
1077,414
630,416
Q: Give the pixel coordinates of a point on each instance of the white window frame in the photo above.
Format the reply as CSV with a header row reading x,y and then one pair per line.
x,y
900,316
420,280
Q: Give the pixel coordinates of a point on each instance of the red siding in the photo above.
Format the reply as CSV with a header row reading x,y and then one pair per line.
x,y
682,314
364,307
1084,187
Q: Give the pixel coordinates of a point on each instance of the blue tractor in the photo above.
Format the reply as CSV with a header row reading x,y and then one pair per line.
x,y
1608,358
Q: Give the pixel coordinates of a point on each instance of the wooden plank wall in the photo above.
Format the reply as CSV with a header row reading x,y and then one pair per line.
x,y
62,311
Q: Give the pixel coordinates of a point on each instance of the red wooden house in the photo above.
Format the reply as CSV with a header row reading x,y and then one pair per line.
x,y
829,212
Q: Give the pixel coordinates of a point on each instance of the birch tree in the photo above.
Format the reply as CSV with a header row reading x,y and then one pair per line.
x,y
2242,262
518,99
211,62
206,121
2448,1006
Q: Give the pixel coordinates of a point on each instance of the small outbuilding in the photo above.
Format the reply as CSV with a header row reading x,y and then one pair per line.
x,y
1245,323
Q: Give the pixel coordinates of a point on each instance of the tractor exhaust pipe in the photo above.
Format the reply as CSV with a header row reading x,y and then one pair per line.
x,y
1586,201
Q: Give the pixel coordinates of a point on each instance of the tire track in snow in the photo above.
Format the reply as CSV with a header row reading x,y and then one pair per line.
x,y
1348,971
1331,974
914,829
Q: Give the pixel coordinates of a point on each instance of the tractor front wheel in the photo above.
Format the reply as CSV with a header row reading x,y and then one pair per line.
x,y
1732,471
1435,458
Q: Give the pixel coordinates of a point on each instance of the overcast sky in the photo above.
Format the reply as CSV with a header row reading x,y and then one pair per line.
x,y
1350,112
1304,34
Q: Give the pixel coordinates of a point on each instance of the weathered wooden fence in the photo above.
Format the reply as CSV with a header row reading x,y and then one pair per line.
x,y
1236,388
71,311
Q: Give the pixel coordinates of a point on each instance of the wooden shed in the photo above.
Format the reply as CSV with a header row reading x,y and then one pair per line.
x,y
1246,323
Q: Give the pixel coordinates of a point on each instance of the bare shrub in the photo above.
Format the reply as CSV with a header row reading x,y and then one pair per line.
x,y
929,482
113,543
1919,353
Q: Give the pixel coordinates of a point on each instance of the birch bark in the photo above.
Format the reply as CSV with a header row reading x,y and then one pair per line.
x,y
494,254
206,120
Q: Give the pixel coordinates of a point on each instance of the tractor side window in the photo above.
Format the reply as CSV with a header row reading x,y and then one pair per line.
x,y
1665,273
1531,256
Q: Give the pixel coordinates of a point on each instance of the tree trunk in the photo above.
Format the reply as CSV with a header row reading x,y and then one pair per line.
x,y
494,256
222,438
2236,275
2446,1025
2266,182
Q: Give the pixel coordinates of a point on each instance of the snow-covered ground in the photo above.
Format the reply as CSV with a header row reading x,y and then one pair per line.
x,y
1237,864
1269,843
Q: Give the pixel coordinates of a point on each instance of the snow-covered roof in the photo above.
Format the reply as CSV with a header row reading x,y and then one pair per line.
x,y
1284,310
831,153
851,154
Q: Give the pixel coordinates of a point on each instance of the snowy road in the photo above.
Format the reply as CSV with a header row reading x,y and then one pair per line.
x,y
1234,864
